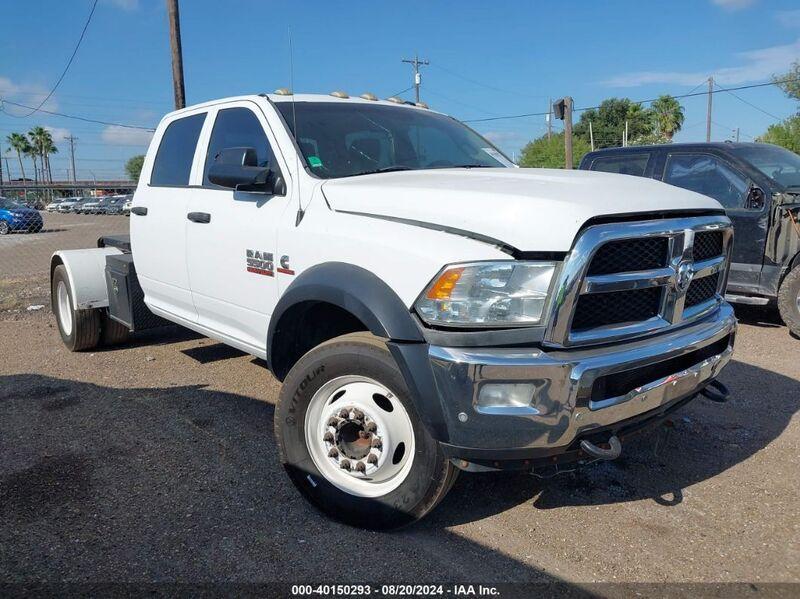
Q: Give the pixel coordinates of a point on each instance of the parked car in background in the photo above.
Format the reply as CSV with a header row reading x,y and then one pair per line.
x,y
113,204
126,207
69,204
15,216
759,187
53,206
92,206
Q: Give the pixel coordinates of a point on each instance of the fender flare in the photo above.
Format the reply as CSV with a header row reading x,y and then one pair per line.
x,y
374,303
356,290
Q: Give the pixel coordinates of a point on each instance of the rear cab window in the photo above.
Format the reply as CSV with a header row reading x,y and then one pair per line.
x,y
173,162
709,175
622,164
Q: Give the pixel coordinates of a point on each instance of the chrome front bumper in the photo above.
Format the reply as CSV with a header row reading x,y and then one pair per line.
x,y
563,409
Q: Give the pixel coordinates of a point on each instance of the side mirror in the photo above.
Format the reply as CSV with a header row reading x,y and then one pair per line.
x,y
236,168
756,198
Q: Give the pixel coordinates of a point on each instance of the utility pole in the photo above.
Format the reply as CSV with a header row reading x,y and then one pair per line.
x,y
417,77
72,139
591,136
708,112
177,53
1,170
737,135
549,118
625,136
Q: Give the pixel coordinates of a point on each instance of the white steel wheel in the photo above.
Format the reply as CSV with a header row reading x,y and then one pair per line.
x,y
360,436
64,307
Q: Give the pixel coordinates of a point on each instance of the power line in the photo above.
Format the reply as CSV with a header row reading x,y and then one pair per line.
x,y
69,63
689,95
486,85
69,116
777,118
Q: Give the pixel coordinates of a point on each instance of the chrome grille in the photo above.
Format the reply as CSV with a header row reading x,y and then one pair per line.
x,y
625,280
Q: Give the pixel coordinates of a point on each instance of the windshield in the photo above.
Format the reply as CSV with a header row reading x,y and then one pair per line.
x,y
775,162
7,204
339,139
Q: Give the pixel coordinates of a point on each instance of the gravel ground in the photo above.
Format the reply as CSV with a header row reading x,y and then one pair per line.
x,y
157,462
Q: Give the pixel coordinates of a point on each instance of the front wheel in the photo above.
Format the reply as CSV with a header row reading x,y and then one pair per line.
x,y
4,228
351,441
789,300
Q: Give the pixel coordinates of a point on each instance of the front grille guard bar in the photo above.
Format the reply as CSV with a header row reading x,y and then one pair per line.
x,y
573,281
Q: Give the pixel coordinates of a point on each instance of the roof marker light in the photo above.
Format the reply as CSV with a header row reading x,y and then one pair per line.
x,y
340,94
283,91
396,100
422,105
369,96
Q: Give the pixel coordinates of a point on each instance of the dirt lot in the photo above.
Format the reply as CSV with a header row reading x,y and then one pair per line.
x,y
157,462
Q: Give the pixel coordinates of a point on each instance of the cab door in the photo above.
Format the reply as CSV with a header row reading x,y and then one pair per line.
x,y
231,235
158,216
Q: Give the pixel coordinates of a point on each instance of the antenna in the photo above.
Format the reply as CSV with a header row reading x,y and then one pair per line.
x,y
300,212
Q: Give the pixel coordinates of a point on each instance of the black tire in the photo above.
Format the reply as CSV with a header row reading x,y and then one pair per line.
x,y
84,325
4,228
789,300
113,332
431,474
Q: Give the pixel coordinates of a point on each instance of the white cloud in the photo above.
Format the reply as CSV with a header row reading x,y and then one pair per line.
x,y
29,94
756,65
733,4
58,133
125,136
788,18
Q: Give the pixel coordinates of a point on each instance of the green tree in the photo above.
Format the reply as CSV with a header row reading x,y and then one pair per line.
x,y
667,115
549,153
785,134
608,122
20,144
42,141
134,166
790,82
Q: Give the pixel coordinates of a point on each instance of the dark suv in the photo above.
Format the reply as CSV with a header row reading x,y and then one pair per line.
x,y
759,186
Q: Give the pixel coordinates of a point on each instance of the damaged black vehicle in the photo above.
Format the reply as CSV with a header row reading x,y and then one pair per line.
x,y
759,186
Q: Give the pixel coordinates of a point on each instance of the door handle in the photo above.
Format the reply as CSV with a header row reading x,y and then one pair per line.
x,y
139,211
199,217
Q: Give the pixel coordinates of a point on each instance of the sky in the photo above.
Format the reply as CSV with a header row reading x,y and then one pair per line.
x,y
487,59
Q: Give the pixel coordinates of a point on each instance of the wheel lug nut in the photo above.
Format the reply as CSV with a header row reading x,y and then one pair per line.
x,y
334,422
344,414
344,464
370,427
333,453
358,415
363,435
372,459
360,467
377,443
328,437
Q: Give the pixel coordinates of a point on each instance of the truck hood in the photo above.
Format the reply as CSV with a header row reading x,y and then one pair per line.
x,y
528,209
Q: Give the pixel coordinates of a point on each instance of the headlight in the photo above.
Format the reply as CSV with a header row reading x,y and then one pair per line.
x,y
486,294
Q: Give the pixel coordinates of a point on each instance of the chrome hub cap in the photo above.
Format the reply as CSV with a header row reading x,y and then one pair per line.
x,y
64,310
360,436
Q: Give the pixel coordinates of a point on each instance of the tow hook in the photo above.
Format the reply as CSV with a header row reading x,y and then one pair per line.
x,y
716,391
612,453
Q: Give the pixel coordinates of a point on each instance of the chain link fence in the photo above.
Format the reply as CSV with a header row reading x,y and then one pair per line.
x,y
36,224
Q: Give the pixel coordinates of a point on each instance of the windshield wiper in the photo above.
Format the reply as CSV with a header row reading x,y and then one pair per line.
x,y
385,169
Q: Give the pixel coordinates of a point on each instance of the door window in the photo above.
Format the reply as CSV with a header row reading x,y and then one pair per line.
x,y
708,175
173,163
623,164
238,128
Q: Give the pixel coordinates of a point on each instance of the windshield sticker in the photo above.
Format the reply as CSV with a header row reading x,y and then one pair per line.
x,y
498,156
314,161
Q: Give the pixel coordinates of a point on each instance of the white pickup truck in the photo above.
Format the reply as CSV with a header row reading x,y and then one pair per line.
x,y
428,306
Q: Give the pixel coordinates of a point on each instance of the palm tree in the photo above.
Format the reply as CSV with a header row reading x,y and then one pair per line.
x,y
20,144
668,116
42,141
